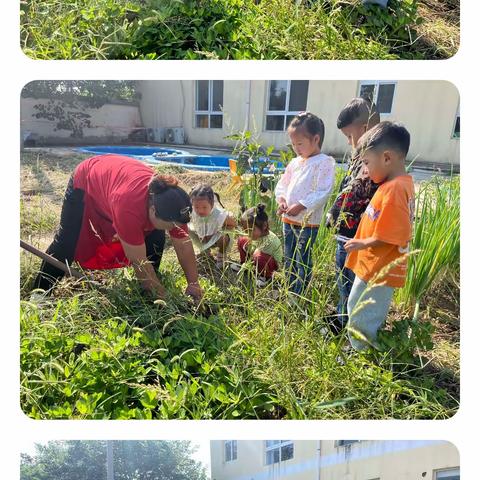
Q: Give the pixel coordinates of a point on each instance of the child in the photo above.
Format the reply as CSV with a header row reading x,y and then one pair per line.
x,y
356,191
262,246
383,234
301,194
210,224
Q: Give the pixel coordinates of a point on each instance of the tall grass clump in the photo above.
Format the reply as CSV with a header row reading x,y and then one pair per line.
x,y
436,238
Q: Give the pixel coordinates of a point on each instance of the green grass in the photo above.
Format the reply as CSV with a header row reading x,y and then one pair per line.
x,y
112,353
229,29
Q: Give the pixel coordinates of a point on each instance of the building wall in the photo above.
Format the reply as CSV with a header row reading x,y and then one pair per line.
x,y
365,460
427,108
110,123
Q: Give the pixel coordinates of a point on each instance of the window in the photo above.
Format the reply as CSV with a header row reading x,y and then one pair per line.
x,y
209,104
230,450
286,98
344,443
381,93
450,474
456,128
277,451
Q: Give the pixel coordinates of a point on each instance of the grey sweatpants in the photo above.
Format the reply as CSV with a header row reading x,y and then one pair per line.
x,y
367,308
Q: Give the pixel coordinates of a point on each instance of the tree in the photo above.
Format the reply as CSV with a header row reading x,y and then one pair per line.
x,y
133,460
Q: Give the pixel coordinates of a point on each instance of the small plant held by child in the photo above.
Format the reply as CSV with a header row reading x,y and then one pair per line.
x,y
260,172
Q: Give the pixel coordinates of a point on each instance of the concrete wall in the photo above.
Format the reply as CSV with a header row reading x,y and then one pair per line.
x,y
427,108
314,460
110,123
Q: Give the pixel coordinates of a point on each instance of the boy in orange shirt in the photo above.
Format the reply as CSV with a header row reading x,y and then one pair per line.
x,y
375,254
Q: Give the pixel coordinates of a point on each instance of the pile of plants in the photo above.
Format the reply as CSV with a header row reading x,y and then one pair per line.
x,y
245,352
223,29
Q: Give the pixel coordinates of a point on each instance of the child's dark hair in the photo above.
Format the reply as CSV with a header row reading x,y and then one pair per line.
x,y
205,192
386,136
170,201
358,111
309,124
256,217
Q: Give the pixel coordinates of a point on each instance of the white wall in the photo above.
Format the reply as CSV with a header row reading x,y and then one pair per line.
x,y
386,460
427,108
111,122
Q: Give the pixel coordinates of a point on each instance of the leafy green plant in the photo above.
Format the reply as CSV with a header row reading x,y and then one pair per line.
x,y
436,238
223,29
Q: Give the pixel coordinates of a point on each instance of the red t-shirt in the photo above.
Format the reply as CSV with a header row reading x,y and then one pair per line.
x,y
116,202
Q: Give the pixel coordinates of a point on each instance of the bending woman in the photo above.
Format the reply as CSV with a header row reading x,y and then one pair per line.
x,y
115,213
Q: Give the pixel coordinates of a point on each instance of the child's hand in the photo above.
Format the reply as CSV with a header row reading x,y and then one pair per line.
x,y
282,208
295,209
354,244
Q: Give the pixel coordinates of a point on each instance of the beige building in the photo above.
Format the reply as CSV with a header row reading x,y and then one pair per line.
x,y
334,460
209,110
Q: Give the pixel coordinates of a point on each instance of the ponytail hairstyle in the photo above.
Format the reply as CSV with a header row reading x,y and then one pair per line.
x,y
309,125
205,192
256,217
171,202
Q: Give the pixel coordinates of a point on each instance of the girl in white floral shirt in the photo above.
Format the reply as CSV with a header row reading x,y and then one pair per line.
x,y
301,194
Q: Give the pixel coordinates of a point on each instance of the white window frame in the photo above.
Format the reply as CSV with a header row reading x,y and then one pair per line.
x,y
457,116
278,446
376,84
453,470
210,110
231,443
279,113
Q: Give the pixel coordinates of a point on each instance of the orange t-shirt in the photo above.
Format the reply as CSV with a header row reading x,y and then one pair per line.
x,y
388,218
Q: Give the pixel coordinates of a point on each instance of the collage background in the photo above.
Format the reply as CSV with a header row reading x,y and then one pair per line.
x,y
462,70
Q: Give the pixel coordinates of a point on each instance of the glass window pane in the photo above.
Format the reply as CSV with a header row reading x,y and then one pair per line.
x,y
298,96
275,122
278,95
385,97
217,96
202,95
453,474
273,456
287,452
234,449
368,91
201,121
216,121
271,443
456,131
289,119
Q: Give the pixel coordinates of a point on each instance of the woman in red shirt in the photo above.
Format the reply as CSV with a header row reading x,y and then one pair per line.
x,y
115,213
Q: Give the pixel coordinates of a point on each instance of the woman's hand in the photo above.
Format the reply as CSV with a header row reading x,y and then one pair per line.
x,y
195,291
295,209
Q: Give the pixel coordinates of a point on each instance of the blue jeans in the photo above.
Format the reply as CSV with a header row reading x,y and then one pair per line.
x,y
368,307
345,278
299,243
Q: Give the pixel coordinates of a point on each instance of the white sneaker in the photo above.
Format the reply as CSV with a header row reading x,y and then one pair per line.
x,y
235,266
38,296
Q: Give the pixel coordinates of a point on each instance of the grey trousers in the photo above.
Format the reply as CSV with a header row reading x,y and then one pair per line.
x,y
367,308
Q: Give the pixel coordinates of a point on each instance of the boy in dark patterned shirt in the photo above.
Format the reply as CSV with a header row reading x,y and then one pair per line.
x,y
355,193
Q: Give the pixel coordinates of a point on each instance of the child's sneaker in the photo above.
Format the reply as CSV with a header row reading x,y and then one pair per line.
x,y
235,266
261,282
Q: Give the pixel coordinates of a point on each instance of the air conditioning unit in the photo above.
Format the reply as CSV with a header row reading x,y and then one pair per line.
x,y
175,136
156,135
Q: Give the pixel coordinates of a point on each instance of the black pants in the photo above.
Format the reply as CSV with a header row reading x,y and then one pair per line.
x,y
66,238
